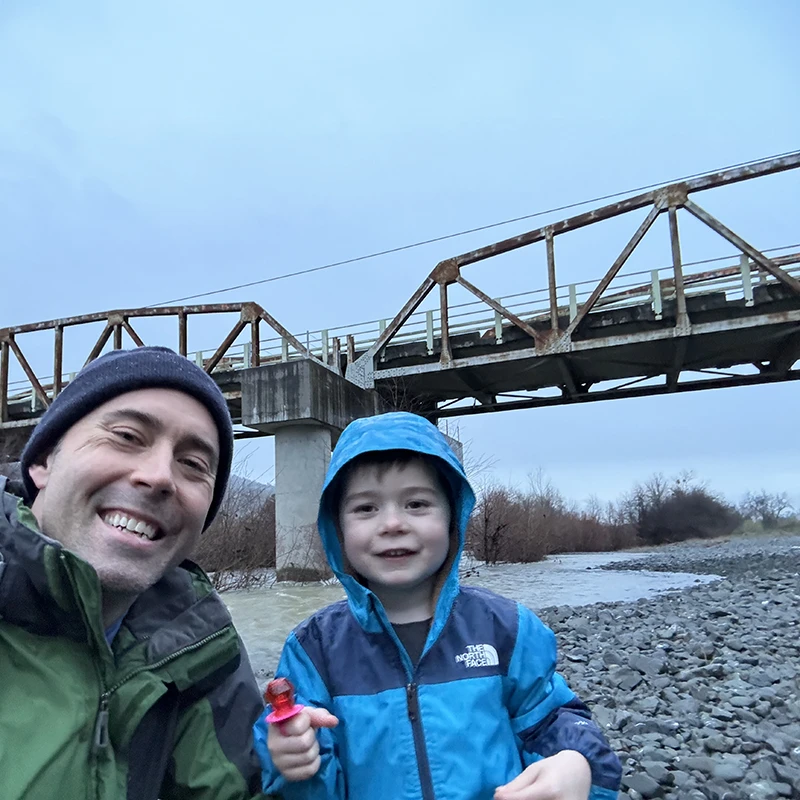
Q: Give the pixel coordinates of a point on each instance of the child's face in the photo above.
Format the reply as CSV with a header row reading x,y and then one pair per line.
x,y
395,523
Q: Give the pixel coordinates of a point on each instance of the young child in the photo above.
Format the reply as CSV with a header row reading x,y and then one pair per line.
x,y
416,687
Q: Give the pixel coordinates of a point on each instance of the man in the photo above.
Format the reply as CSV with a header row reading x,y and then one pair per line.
x,y
121,674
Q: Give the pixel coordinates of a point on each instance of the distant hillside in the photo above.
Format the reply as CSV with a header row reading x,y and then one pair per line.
x,y
249,492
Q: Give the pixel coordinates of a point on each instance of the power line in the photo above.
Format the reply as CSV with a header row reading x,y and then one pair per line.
x,y
480,228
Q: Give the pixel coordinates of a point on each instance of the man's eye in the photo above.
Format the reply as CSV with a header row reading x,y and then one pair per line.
x,y
195,465
127,436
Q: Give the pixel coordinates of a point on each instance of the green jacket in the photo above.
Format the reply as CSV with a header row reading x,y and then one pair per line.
x,y
166,712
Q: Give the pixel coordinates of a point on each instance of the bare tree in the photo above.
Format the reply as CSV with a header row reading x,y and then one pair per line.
x,y
239,546
768,508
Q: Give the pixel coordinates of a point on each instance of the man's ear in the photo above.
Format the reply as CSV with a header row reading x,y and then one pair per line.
x,y
40,473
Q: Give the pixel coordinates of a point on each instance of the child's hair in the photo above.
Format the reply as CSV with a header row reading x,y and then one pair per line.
x,y
383,461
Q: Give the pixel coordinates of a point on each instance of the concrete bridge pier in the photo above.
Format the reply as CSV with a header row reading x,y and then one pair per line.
x,y
305,406
302,455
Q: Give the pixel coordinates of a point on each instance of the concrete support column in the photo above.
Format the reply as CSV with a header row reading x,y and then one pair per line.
x,y
302,455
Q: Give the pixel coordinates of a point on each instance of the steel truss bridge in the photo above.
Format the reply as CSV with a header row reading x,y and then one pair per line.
x,y
672,329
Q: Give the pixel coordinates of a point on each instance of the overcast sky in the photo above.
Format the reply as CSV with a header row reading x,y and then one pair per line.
x,y
163,148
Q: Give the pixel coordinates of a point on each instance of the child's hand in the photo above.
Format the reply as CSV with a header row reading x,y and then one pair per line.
x,y
564,776
293,744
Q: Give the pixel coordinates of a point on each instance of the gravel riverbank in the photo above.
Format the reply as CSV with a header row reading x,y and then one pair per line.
x,y
698,690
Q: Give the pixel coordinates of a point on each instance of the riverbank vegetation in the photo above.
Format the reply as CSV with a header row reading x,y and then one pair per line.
x,y
520,524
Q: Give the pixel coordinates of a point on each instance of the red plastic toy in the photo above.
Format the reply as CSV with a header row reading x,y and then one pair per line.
x,y
280,695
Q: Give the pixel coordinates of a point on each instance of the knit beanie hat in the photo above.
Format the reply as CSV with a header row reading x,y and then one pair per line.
x,y
122,371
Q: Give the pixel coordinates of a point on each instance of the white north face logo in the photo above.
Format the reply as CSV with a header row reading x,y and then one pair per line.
x,y
479,655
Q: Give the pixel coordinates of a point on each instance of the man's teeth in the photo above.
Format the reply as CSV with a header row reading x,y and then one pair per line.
x,y
123,522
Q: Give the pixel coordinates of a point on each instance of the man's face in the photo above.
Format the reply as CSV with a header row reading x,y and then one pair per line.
x,y
129,486
395,524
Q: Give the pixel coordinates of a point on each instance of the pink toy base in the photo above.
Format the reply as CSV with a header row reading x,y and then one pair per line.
x,y
278,716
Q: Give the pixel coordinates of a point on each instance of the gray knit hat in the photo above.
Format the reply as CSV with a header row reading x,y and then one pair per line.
x,y
122,371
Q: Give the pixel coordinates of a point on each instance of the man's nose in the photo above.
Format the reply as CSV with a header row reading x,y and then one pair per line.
x,y
155,469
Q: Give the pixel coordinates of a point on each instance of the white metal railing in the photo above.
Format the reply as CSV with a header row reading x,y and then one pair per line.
x,y
627,289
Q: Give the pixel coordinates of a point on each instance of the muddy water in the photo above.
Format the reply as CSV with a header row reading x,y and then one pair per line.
x,y
265,616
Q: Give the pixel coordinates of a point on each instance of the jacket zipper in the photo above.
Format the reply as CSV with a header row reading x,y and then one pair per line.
x,y
421,750
101,738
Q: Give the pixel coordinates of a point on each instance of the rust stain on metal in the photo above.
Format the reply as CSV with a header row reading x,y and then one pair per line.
x,y
538,338
737,241
615,267
446,272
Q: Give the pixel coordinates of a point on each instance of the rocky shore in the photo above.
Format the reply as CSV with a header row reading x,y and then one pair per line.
x,y
698,690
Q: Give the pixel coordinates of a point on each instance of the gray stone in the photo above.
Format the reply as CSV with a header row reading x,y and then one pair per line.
x,y
788,774
719,744
646,665
764,769
671,742
778,744
729,771
763,790
658,772
702,764
681,778
643,784
722,714
704,650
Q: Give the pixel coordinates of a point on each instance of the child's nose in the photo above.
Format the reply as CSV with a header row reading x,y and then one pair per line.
x,y
393,520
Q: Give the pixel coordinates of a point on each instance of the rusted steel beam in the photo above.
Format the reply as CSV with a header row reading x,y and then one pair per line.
x,y
447,354
255,342
571,224
4,359
101,316
615,267
405,312
768,166
118,336
58,360
759,258
29,373
100,343
720,178
351,348
681,317
226,343
281,331
183,348
132,333
551,278
511,317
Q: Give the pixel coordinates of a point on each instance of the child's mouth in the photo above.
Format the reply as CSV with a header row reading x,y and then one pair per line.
x,y
396,553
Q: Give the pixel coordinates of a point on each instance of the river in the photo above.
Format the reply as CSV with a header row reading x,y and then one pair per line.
x,y
265,616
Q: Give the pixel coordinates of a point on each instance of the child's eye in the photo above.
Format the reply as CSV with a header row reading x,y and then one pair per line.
x,y
418,504
364,508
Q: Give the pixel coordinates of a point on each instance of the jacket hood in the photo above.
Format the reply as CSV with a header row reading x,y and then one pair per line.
x,y
394,431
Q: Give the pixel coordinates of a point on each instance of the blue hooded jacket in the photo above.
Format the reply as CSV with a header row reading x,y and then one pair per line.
x,y
483,702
